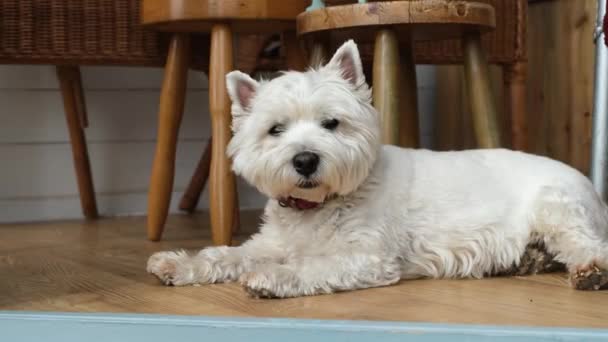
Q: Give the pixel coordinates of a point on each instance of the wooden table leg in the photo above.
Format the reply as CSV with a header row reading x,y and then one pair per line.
x,y
395,90
514,76
75,113
169,118
480,92
222,181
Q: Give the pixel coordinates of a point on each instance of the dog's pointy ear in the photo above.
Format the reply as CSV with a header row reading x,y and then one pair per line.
x,y
348,62
242,90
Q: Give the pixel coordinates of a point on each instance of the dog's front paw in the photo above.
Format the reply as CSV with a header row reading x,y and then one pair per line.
x,y
271,282
172,268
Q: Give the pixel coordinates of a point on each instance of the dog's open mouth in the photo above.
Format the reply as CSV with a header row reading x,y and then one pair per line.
x,y
307,184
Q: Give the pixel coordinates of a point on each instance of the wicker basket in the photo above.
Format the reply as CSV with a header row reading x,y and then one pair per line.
x,y
83,32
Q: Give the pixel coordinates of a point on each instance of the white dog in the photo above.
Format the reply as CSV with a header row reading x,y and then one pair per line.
x,y
346,213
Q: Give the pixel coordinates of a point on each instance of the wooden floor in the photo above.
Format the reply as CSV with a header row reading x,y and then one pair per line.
x,y
99,267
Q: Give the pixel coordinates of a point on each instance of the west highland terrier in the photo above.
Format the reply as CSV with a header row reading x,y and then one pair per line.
x,y
346,213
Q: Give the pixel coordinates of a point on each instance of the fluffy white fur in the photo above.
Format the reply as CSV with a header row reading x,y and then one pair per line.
x,y
391,213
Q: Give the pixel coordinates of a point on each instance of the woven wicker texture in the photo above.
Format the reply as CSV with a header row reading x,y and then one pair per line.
x,y
83,32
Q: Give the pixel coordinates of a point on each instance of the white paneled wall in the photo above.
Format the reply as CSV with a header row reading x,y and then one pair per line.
x,y
37,180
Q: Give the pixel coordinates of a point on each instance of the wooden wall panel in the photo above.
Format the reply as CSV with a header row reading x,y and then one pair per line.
x,y
560,86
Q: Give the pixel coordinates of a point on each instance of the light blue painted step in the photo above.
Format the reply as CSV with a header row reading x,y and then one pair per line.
x,y
68,327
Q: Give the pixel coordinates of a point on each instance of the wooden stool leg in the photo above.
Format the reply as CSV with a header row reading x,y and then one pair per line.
x,y
480,92
75,114
222,181
295,56
169,118
197,183
515,102
395,91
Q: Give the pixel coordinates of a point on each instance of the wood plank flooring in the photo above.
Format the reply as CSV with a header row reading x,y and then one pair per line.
x,y
99,266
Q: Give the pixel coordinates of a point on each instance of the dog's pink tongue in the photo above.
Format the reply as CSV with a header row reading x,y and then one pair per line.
x,y
304,204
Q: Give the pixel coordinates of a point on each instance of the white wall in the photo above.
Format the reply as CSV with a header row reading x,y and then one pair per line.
x,y
37,179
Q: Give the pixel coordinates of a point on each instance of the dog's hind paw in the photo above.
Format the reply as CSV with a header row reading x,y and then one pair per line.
x,y
590,278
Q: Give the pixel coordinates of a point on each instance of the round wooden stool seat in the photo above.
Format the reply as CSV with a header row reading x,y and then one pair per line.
x,y
247,16
422,19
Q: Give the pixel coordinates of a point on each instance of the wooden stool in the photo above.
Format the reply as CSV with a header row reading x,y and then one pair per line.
x,y
221,19
250,59
394,26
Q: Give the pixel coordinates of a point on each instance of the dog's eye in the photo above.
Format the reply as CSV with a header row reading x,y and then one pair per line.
x,y
276,130
330,124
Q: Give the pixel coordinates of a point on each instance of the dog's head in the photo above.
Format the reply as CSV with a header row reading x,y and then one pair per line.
x,y
305,135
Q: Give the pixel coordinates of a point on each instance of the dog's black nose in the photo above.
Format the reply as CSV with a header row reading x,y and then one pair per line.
x,y
306,163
